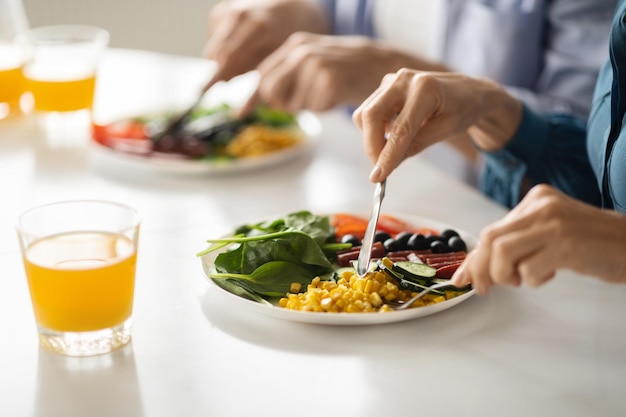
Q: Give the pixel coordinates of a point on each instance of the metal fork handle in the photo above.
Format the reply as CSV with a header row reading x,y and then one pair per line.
x,y
425,291
365,254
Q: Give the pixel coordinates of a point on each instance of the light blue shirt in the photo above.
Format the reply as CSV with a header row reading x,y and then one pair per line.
x,y
546,52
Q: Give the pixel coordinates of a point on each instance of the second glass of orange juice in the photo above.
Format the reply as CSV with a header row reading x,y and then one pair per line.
x,y
11,81
61,66
79,258
12,22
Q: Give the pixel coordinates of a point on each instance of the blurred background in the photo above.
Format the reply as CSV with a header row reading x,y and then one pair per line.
x,y
171,26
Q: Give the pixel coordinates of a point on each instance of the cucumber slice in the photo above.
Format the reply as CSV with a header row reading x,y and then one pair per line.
x,y
393,274
403,282
415,270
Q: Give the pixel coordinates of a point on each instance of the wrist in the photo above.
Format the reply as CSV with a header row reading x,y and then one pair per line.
x,y
502,117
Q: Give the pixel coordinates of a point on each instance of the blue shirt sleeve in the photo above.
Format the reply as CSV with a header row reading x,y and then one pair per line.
x,y
350,17
549,149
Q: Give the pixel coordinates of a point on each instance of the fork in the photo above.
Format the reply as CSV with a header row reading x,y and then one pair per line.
x,y
425,291
176,123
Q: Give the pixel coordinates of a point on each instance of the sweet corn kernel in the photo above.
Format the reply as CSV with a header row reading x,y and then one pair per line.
x,y
256,140
368,286
388,263
353,294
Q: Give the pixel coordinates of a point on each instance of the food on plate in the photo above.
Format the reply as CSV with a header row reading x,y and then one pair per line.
x,y
208,133
301,262
257,140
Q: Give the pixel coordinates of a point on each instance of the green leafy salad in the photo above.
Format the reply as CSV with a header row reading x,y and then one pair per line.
x,y
267,257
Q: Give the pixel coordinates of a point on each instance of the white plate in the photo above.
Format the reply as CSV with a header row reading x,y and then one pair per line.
x,y
308,122
346,319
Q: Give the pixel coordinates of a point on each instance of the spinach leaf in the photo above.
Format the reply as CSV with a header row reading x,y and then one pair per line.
x,y
272,279
273,117
269,256
318,227
290,245
234,287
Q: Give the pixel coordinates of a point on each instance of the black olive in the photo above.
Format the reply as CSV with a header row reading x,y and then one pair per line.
x,y
391,245
418,241
448,233
457,244
402,239
355,241
381,236
439,247
435,238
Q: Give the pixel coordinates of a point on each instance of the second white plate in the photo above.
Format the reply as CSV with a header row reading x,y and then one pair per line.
x,y
308,122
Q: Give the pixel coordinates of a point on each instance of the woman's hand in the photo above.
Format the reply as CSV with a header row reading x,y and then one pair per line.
x,y
244,32
319,72
546,232
412,110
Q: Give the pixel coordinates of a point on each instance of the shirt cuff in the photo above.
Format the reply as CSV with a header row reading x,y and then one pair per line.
x,y
530,141
504,170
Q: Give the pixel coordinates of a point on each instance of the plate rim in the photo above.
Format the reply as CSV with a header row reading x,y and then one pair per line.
x,y
349,319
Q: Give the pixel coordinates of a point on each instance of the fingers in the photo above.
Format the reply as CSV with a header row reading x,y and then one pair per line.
x,y
522,248
280,70
242,35
373,120
403,102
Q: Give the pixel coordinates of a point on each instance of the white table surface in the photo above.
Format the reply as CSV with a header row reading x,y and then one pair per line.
x,y
556,351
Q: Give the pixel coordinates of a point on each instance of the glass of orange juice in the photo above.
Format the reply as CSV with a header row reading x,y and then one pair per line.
x,y
60,73
12,22
80,257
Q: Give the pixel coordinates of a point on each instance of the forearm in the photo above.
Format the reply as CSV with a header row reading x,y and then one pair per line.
x,y
502,117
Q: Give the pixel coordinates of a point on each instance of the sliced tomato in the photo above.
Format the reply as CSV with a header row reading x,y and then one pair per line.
x,y
126,129
349,224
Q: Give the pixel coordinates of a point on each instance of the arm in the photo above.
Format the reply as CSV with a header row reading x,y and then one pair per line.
x,y
418,109
340,70
546,232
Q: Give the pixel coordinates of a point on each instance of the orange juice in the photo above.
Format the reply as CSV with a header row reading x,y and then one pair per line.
x,y
81,281
11,85
11,80
62,95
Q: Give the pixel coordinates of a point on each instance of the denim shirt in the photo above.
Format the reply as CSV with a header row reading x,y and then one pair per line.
x,y
587,162
606,135
547,149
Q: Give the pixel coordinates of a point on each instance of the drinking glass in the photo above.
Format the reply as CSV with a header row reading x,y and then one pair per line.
x,y
80,257
60,74
12,22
